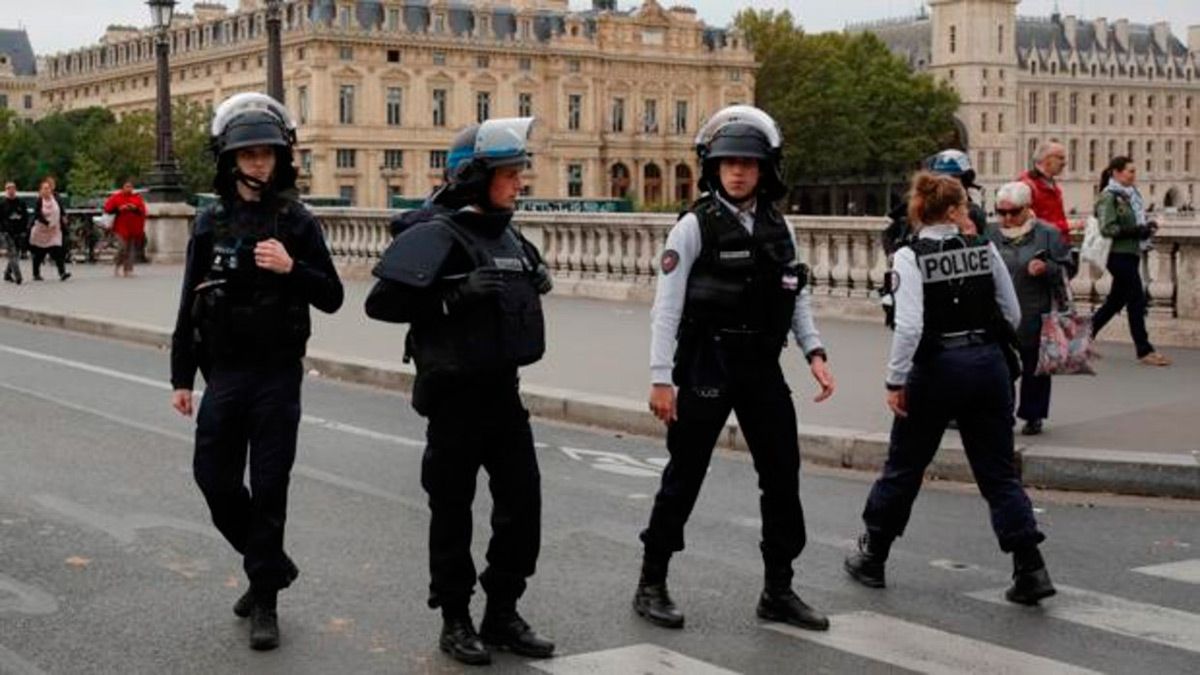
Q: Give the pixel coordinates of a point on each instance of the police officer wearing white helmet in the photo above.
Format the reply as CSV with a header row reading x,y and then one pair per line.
x,y
955,310
730,288
255,262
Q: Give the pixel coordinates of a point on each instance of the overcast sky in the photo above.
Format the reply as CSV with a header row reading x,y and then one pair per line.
x,y
58,25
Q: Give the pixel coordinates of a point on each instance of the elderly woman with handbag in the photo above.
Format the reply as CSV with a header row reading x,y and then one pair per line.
x,y
46,235
1039,262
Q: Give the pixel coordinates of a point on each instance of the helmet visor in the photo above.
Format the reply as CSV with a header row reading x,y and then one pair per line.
x,y
239,104
506,141
740,114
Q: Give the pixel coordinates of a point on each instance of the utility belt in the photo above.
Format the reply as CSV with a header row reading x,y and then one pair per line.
x,y
966,338
732,337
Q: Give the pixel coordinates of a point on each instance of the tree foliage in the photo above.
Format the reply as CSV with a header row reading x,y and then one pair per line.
x,y
90,151
847,107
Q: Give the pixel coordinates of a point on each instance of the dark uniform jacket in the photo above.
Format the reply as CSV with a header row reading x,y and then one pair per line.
x,y
14,218
312,281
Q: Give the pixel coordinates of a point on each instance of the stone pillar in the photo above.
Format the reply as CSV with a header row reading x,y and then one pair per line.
x,y
168,226
1187,278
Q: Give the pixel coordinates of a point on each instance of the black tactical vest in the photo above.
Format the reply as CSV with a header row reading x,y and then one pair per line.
x,y
489,335
742,281
957,281
244,314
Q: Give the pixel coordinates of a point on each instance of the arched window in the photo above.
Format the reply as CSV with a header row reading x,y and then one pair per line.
x,y
683,183
619,181
652,184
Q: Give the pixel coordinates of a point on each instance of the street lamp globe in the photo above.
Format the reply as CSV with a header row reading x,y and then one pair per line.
x,y
161,12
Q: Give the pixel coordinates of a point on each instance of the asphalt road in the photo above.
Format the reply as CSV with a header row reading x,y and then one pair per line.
x,y
108,562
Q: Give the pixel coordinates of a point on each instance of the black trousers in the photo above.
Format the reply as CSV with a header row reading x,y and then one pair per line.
x,y
970,385
1035,389
1128,293
254,411
57,253
481,426
763,404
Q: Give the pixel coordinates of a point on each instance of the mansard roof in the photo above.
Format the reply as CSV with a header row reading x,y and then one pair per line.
x,y
15,43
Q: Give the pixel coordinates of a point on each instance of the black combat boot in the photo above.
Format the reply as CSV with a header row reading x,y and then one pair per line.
x,y
264,622
1031,581
652,601
460,640
866,566
504,628
780,603
245,604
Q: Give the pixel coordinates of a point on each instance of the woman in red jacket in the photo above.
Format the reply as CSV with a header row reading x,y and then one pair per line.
x,y
129,225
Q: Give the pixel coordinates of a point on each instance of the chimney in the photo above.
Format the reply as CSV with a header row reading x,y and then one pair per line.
x,y
1121,33
249,5
208,11
1162,35
1101,27
1194,39
115,34
1070,26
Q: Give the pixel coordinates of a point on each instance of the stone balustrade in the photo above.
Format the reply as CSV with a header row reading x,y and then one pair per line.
x,y
843,253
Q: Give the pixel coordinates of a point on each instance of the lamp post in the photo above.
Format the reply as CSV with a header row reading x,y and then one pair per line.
x,y
165,184
274,50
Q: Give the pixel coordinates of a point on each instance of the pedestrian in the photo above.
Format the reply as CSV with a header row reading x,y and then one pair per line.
x,y
468,284
46,235
129,225
730,287
1122,216
255,262
14,219
1039,263
946,363
1049,160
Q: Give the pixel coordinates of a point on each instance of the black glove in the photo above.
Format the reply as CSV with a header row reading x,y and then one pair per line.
x,y
483,282
1146,231
542,280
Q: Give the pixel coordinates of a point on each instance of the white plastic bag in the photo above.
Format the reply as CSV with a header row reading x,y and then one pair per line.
x,y
1095,246
105,220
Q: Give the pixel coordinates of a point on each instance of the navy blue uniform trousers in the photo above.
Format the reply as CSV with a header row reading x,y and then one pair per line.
x,y
252,411
487,427
763,403
970,385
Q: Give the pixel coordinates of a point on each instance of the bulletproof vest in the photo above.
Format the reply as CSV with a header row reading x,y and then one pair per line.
x,y
956,275
742,281
491,334
243,313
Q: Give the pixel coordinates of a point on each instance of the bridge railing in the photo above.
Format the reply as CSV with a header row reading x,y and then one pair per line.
x,y
845,254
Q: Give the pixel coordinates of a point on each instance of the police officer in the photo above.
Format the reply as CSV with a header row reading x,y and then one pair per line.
x,y
729,290
468,284
946,364
950,162
255,262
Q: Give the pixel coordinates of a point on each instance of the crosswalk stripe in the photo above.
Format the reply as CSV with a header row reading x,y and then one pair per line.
x,y
1162,625
923,649
643,659
1187,571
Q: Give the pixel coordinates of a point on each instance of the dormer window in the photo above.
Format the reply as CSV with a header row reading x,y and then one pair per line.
x,y
439,23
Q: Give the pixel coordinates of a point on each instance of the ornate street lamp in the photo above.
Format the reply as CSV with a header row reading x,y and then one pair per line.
x,y
274,50
164,180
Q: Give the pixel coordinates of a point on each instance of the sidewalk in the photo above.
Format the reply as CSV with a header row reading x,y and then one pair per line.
x,y
1130,429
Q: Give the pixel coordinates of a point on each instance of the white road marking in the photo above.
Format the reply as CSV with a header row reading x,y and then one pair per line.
x,y
1162,625
164,386
923,649
614,462
122,528
1187,571
643,659
25,599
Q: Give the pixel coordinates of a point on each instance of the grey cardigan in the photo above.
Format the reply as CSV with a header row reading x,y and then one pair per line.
x,y
1035,294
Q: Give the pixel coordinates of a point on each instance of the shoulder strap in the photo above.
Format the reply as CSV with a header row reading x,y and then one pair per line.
x,y
465,238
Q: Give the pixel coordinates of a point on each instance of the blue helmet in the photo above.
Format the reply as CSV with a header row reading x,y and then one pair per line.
x,y
953,163
477,151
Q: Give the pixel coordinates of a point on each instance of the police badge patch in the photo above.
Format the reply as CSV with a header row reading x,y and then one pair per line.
x,y
670,260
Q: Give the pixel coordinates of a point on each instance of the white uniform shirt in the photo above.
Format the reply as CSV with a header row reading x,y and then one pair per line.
x,y
910,301
684,239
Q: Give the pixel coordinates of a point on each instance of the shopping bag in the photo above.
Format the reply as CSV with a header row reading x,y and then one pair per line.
x,y
104,221
1065,347
1095,246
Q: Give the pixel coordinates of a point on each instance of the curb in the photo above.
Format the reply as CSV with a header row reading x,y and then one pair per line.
x,y
1059,468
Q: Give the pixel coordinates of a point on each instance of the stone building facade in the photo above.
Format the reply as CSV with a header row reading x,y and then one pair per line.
x,y
379,88
1102,88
